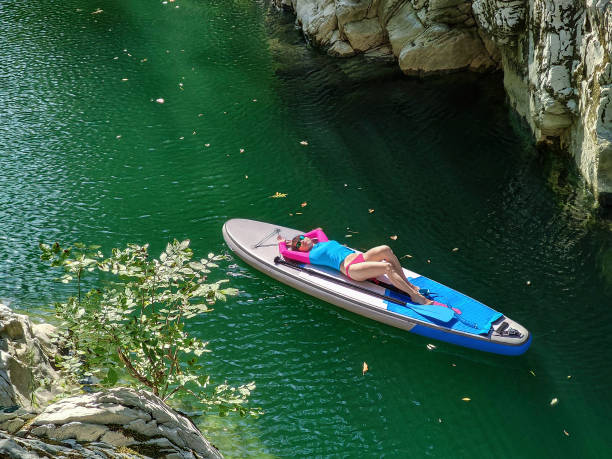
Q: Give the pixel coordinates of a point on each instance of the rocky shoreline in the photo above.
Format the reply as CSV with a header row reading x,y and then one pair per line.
x,y
43,416
555,56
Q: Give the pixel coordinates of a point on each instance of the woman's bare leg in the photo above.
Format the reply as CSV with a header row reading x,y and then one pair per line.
x,y
369,269
384,253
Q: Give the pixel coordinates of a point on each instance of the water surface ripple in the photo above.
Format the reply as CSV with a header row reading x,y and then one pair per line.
x,y
87,153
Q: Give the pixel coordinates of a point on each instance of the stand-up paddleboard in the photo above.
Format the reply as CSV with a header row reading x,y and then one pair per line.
x,y
463,321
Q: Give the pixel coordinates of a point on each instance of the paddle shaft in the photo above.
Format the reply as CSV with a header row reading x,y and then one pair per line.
x,y
440,314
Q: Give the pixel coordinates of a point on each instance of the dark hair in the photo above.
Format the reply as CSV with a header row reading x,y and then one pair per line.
x,y
295,240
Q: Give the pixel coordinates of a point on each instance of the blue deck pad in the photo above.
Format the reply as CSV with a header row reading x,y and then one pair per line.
x,y
475,318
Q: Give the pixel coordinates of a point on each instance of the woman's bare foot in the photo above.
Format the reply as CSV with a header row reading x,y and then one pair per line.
x,y
420,299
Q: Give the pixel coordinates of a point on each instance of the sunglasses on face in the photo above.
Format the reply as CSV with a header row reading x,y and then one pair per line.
x,y
298,244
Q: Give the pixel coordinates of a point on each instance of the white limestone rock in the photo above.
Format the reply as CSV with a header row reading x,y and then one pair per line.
x,y
341,48
121,417
448,11
351,11
403,27
502,20
556,55
364,35
318,20
388,8
441,49
27,377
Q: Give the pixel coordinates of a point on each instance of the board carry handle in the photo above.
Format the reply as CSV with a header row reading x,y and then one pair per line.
x,y
436,313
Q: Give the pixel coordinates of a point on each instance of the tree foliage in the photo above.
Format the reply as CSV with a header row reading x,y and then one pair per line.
x,y
132,328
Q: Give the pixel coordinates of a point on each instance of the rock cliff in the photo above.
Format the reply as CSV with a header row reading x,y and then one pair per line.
x,y
118,423
555,56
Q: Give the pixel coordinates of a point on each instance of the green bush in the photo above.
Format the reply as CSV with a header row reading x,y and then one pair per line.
x,y
132,328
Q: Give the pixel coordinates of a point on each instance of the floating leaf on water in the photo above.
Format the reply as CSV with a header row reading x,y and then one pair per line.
x,y
119,136
394,237
254,100
364,369
554,401
428,261
456,249
279,195
466,399
566,433
454,364
246,176
298,213
407,256
532,372
242,150
348,235
440,420
124,79
304,204
528,282
569,376
160,100
98,11
370,211
431,347
303,142
207,145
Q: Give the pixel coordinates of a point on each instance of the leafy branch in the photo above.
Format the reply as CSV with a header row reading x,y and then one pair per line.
x,y
133,328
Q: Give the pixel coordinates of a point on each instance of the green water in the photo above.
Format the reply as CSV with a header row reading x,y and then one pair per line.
x,y
87,154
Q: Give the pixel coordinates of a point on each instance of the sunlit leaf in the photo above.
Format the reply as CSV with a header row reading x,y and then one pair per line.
x,y
279,195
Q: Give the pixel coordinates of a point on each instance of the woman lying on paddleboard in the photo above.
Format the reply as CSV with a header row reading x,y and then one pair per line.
x,y
315,248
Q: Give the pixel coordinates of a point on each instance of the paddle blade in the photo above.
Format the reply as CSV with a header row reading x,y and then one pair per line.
x,y
458,311
433,312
